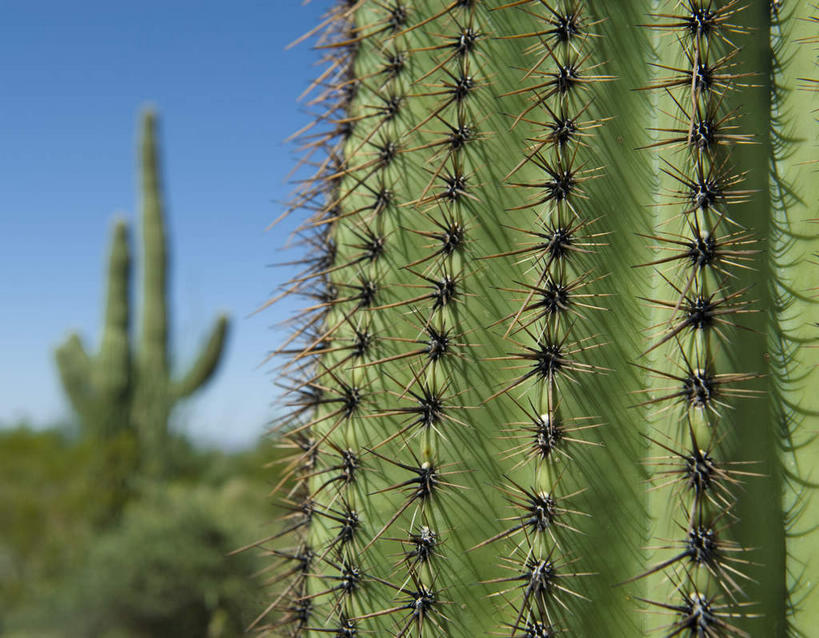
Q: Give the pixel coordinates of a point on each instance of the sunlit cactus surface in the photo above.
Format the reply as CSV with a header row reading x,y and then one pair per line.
x,y
555,368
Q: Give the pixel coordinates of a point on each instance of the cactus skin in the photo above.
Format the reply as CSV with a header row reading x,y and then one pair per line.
x,y
123,389
414,506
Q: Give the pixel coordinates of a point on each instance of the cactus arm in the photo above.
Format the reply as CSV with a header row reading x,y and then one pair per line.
x,y
112,369
153,349
150,409
74,366
98,388
206,363
155,393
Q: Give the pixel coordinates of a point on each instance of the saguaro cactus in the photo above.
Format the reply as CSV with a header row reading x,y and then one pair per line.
x,y
121,388
553,374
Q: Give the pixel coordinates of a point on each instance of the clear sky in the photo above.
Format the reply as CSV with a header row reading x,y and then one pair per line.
x,y
73,77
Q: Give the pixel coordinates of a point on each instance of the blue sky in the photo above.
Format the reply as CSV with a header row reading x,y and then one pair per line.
x,y
73,77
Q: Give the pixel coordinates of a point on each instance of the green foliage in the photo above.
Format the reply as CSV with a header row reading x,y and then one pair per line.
x,y
67,569
125,389
44,499
163,570
552,375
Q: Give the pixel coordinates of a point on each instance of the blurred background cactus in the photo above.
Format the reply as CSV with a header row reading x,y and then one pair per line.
x,y
129,391
552,375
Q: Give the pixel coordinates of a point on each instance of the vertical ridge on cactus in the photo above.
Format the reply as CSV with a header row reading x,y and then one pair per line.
x,y
700,381
536,360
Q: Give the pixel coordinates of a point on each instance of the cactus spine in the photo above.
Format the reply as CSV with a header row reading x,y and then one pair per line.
x,y
518,319
121,388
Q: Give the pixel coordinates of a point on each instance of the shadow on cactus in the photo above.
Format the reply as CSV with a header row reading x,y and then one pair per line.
x,y
552,373
127,391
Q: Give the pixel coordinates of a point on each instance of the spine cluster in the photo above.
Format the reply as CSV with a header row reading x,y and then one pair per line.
x,y
699,244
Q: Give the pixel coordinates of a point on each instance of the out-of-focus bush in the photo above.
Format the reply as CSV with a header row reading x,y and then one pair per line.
x,y
47,501
163,571
82,556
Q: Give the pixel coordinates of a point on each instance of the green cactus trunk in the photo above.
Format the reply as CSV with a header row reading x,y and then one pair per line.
x,y
119,391
552,375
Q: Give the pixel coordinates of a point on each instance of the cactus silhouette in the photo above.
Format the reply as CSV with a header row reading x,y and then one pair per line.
x,y
131,388
552,376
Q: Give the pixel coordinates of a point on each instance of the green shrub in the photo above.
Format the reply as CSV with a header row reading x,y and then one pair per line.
x,y
164,569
